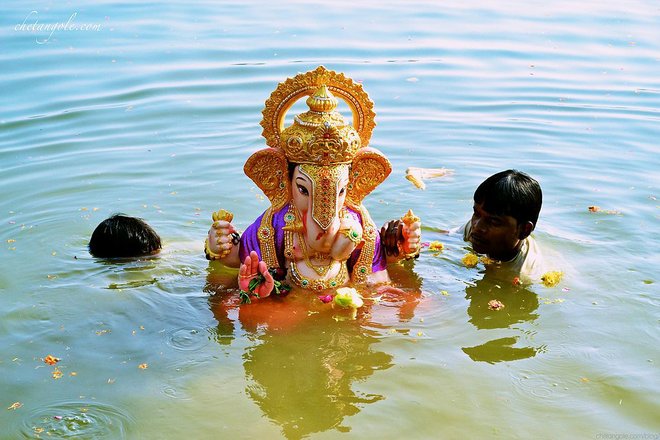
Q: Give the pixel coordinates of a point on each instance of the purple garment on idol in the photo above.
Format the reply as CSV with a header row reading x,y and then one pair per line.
x,y
250,242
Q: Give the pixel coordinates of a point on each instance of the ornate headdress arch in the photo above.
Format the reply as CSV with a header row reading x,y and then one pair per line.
x,y
320,136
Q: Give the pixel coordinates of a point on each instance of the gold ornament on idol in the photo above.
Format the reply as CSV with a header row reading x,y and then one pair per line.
x,y
326,261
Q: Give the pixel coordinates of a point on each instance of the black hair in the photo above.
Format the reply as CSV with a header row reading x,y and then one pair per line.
x,y
513,193
123,236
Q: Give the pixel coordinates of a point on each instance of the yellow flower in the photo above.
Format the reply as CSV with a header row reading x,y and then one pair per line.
x,y
57,374
51,360
143,366
348,297
552,278
486,260
470,260
436,246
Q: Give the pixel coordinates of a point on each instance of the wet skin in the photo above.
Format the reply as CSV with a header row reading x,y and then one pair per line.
x,y
498,236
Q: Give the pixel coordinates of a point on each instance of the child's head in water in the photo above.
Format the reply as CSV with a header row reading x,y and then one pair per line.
x,y
123,236
506,210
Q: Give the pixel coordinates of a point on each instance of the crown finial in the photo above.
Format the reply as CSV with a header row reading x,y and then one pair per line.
x,y
322,100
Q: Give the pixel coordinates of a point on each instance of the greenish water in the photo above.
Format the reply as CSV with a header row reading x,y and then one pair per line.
x,y
154,113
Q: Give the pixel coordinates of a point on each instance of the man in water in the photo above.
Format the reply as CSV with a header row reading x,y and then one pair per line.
x,y
506,210
123,236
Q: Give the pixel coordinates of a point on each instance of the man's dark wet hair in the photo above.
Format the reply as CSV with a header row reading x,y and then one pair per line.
x,y
513,193
123,236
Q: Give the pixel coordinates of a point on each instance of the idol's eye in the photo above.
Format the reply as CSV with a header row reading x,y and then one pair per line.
x,y
342,191
302,190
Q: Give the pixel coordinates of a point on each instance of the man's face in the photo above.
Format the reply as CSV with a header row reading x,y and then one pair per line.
x,y
497,236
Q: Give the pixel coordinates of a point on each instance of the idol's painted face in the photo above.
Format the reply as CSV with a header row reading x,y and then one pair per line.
x,y
498,236
319,192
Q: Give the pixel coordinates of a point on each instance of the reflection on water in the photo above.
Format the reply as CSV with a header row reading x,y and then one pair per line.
x,y
520,305
305,356
303,380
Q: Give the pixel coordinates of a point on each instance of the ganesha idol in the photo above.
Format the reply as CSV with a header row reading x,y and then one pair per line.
x,y
316,173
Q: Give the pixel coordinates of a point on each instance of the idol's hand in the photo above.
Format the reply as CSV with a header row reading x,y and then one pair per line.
x,y
250,269
400,239
412,237
221,238
349,236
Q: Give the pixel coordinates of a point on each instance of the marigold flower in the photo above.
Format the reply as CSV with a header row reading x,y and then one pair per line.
x,y
57,374
51,360
516,281
551,279
143,366
436,246
470,260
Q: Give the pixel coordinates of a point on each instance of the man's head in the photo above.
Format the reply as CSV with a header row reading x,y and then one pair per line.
x,y
506,209
123,236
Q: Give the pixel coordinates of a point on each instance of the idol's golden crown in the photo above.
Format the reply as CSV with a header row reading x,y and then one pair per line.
x,y
321,135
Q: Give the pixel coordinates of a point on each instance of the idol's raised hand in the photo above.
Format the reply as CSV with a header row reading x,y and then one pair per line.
x,y
223,240
412,236
348,237
251,268
402,238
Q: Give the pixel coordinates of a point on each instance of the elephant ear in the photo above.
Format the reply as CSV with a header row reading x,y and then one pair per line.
x,y
269,169
369,169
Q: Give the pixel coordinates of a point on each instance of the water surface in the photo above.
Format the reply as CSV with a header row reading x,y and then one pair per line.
x,y
153,111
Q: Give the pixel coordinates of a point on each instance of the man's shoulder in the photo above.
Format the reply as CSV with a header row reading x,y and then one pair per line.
x,y
463,231
532,265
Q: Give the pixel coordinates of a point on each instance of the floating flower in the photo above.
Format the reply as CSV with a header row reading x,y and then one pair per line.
x,y
57,374
326,298
51,360
604,211
470,260
14,406
348,297
486,260
516,281
552,278
436,246
494,304
143,366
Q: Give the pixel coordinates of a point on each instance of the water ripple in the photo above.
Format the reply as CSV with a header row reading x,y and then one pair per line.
x,y
77,419
187,338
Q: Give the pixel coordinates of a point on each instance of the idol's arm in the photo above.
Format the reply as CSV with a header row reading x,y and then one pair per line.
x,y
401,240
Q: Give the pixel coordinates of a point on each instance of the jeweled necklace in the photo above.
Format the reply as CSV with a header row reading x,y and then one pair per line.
x,y
321,269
